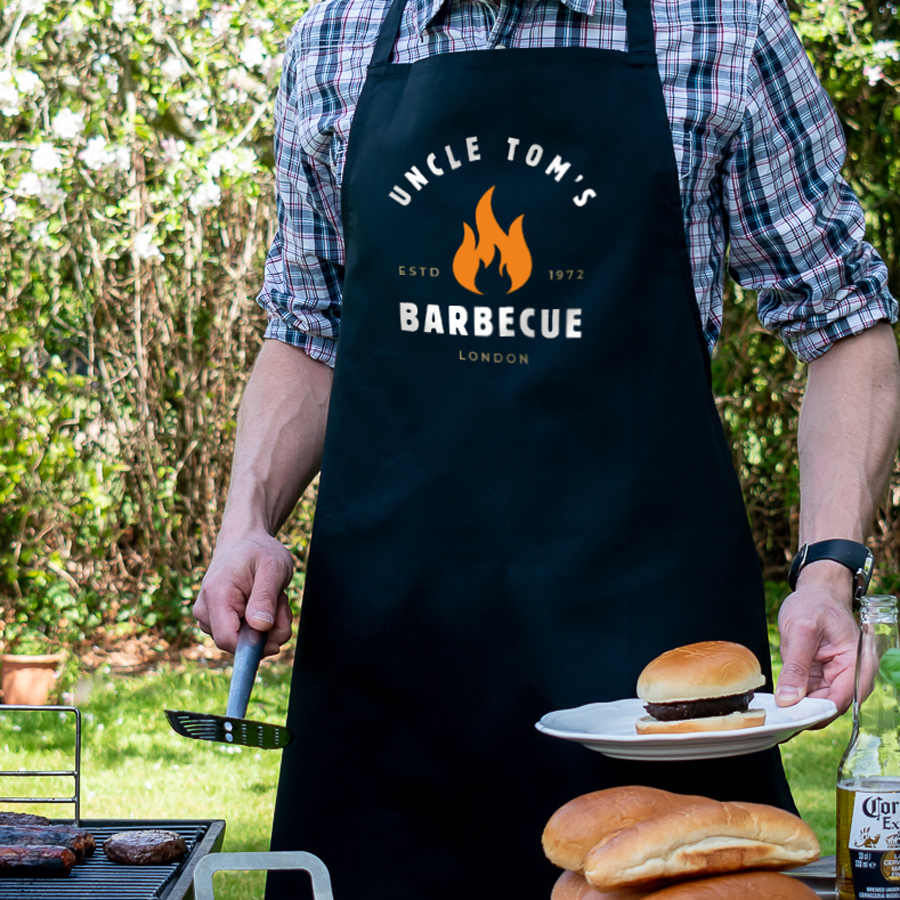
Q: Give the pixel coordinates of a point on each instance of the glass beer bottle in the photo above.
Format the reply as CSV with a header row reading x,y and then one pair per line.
x,y
868,781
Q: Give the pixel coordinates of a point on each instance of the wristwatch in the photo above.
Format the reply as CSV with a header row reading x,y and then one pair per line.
x,y
856,557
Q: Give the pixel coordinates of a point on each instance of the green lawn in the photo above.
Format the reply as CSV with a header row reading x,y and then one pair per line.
x,y
135,766
811,760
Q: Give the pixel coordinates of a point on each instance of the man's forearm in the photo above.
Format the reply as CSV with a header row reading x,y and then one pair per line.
x,y
849,429
280,433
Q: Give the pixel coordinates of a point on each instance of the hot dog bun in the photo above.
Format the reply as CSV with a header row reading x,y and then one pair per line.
x,y
737,886
700,838
734,886
578,825
573,886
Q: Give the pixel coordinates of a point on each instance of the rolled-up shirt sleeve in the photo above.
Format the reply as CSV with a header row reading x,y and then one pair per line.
x,y
304,269
796,228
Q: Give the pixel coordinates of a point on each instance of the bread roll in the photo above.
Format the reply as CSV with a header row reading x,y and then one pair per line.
x,y
578,825
734,886
700,671
573,886
737,886
749,719
700,838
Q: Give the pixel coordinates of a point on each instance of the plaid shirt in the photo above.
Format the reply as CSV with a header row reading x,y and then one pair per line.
x,y
756,140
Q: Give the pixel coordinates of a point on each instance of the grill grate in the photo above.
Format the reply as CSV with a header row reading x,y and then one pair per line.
x,y
99,879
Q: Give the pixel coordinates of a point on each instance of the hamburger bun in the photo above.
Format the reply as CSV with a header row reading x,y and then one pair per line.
x,y
731,722
736,886
700,687
704,838
578,825
700,671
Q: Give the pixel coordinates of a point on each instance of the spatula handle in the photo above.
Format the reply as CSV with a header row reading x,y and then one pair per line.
x,y
249,651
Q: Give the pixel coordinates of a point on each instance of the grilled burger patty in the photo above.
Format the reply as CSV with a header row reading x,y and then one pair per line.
x,y
700,709
145,848
14,818
31,861
79,842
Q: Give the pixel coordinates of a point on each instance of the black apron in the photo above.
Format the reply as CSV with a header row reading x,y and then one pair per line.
x,y
526,493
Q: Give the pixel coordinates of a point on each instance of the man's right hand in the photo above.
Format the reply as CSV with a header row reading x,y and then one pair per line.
x,y
278,449
247,579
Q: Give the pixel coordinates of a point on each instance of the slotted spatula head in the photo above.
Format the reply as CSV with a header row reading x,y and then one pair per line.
x,y
233,728
228,730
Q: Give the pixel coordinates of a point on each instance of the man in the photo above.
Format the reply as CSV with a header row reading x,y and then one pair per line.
x,y
526,493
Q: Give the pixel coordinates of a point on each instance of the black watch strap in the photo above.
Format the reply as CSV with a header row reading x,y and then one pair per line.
x,y
856,557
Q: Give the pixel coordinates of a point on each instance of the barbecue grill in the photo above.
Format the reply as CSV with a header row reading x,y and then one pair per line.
x,y
96,878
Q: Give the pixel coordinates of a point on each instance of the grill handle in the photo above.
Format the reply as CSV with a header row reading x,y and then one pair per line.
x,y
248,653
276,861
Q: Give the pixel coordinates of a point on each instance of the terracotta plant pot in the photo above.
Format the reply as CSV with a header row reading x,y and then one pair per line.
x,y
27,680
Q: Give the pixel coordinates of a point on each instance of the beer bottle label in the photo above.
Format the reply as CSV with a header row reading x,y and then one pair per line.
x,y
875,845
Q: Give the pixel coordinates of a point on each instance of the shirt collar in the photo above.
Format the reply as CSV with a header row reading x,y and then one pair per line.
x,y
425,10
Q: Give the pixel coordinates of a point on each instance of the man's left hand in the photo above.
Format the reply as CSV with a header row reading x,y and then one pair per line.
x,y
819,638
847,439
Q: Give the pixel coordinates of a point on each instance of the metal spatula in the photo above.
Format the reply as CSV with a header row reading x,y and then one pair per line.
x,y
233,728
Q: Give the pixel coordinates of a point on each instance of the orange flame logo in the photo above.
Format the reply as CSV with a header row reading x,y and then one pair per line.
x,y
515,257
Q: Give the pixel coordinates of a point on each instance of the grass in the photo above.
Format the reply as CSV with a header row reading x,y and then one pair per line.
x,y
135,767
811,761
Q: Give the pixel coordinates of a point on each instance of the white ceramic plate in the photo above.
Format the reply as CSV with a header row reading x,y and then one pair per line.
x,y
609,728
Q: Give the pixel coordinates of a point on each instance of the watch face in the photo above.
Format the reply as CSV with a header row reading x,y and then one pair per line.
x,y
864,576
797,565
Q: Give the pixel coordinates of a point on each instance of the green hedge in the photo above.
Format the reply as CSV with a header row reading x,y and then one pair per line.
x,y
135,211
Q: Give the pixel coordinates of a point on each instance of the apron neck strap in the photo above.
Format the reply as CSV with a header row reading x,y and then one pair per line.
x,y
387,36
641,38
638,15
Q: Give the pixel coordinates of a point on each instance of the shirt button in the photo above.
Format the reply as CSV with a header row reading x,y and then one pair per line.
x,y
500,47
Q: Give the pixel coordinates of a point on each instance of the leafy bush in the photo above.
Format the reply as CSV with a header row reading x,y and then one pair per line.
x,y
855,47
135,211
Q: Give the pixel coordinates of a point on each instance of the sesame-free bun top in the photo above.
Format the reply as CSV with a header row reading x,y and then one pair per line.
x,y
700,671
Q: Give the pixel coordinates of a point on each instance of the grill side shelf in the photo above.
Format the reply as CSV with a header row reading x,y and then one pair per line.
x,y
183,887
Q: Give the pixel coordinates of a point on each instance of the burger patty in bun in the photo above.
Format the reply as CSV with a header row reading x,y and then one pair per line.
x,y
700,687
